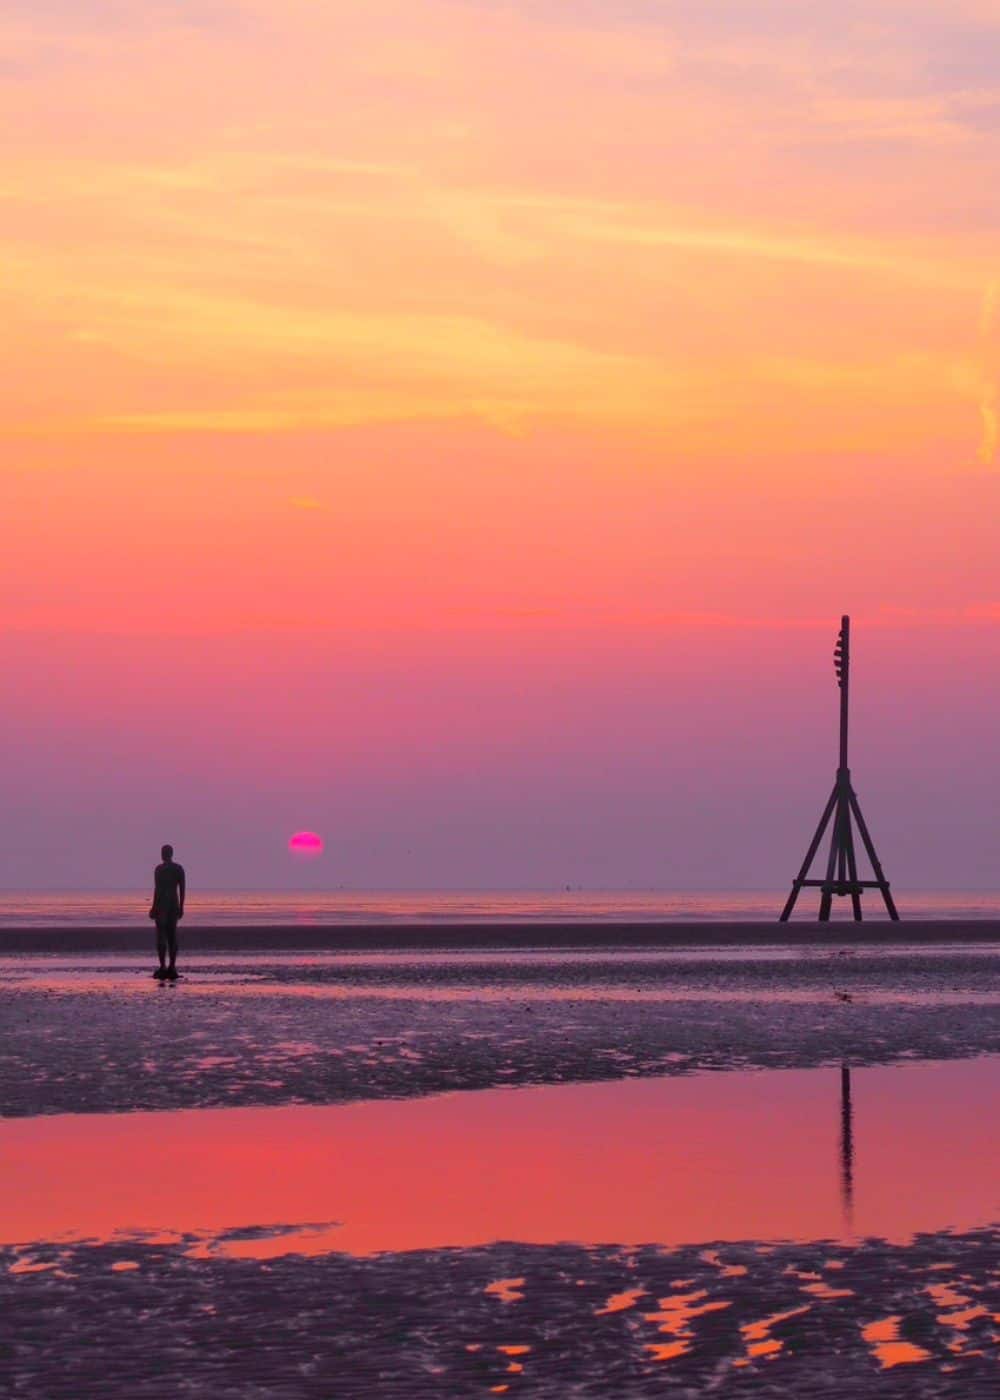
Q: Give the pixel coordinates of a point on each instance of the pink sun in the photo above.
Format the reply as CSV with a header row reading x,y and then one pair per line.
x,y
305,845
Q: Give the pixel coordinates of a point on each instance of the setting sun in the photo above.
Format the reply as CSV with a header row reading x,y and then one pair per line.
x,y
305,845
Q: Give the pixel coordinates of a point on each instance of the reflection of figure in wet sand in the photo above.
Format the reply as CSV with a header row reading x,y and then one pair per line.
x,y
167,907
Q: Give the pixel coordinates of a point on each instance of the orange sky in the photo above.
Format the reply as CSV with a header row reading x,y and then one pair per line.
x,y
455,344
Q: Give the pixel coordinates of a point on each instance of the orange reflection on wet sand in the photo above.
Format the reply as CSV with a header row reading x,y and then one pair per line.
x,y
620,1302
883,1338
677,1160
666,1351
757,1335
677,1311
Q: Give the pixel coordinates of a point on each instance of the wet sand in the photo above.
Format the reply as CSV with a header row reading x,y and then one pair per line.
x,y
611,1270
386,937
94,1033
791,1320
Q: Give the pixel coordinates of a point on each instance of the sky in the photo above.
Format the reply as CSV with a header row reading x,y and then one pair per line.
x,y
457,427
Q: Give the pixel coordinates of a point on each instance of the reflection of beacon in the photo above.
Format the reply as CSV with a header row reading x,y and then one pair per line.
x,y
305,845
846,1146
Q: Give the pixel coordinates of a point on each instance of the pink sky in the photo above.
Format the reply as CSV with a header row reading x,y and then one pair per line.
x,y
457,430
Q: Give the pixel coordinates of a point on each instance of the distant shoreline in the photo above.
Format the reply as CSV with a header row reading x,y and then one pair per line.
x,y
542,935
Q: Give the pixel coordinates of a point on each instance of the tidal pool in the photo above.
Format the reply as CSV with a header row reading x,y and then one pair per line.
x,y
784,1155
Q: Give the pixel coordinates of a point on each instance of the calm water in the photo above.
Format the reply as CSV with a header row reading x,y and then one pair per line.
x,y
780,1154
118,908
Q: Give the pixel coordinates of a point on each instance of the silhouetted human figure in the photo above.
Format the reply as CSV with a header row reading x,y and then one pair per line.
x,y
167,907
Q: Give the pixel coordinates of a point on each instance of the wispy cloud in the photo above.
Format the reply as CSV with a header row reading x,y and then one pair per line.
x,y
989,391
669,221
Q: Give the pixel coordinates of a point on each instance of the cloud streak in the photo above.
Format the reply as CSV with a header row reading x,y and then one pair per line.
x,y
989,396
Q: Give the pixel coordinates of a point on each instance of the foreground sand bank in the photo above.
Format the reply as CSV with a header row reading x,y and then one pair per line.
x,y
401,937
218,1301
823,1320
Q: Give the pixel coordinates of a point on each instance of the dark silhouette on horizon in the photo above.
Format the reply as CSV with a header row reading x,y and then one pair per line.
x,y
841,867
167,908
846,1146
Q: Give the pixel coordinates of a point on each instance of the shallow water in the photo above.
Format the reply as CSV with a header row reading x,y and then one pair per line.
x,y
901,975
778,1155
124,908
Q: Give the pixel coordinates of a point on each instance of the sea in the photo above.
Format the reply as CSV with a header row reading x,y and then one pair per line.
x,y
122,908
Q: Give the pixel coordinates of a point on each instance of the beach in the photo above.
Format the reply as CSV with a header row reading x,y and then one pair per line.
x,y
331,1015
500,513
543,1160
